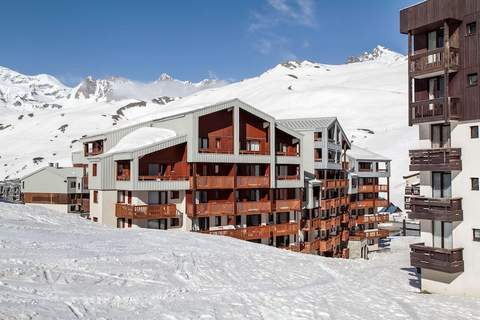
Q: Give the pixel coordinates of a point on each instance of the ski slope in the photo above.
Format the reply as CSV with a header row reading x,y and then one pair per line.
x,y
57,266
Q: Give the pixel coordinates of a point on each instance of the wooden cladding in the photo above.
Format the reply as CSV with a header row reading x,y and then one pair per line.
x,y
47,198
153,211
258,232
372,234
216,144
433,62
227,208
441,109
447,159
444,260
377,218
211,209
322,224
372,188
436,209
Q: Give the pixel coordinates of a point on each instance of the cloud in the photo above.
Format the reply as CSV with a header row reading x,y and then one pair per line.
x,y
267,26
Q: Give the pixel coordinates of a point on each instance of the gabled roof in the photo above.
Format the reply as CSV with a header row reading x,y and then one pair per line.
x,y
64,172
308,123
142,137
358,153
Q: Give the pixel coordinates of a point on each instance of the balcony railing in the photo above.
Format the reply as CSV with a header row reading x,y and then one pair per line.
x,y
334,203
289,177
436,209
412,190
244,182
252,207
333,184
373,188
369,203
211,209
447,159
154,211
444,260
287,205
258,232
378,218
289,153
434,61
162,178
214,182
440,109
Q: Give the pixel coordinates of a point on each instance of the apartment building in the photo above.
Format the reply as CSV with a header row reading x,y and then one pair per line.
x,y
444,100
369,191
225,169
10,190
325,224
59,188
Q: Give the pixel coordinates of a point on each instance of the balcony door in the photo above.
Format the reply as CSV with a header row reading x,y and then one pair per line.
x,y
441,185
442,234
157,197
435,41
436,88
440,136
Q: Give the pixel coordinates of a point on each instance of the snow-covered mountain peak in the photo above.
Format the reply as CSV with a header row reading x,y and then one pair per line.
x,y
378,54
165,77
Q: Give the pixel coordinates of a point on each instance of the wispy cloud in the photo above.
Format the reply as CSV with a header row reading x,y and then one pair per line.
x,y
265,23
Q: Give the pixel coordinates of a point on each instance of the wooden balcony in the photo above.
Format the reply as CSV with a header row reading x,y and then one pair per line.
x,y
412,190
312,224
447,159
444,260
153,211
334,184
369,203
441,109
211,209
289,153
255,146
163,178
373,188
253,207
258,232
345,235
287,205
214,182
245,182
373,234
289,177
334,203
434,62
436,209
376,218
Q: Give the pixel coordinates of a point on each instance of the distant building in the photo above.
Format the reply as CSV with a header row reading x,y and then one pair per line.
x,y
369,175
10,190
57,188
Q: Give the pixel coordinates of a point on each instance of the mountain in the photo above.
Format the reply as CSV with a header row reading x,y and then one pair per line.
x,y
369,97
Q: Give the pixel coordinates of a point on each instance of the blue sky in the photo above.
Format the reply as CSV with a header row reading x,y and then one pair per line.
x,y
192,39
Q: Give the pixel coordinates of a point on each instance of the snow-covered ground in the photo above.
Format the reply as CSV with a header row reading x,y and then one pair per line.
x,y
57,266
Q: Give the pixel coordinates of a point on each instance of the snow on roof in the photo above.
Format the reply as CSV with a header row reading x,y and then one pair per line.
x,y
142,137
65,172
307,123
365,154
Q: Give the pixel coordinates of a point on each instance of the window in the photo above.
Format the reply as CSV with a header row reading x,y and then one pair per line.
x,y
174,222
73,184
121,223
217,143
121,196
23,184
218,221
476,234
471,28
474,132
95,219
95,196
94,169
253,145
203,143
174,194
475,184
472,79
